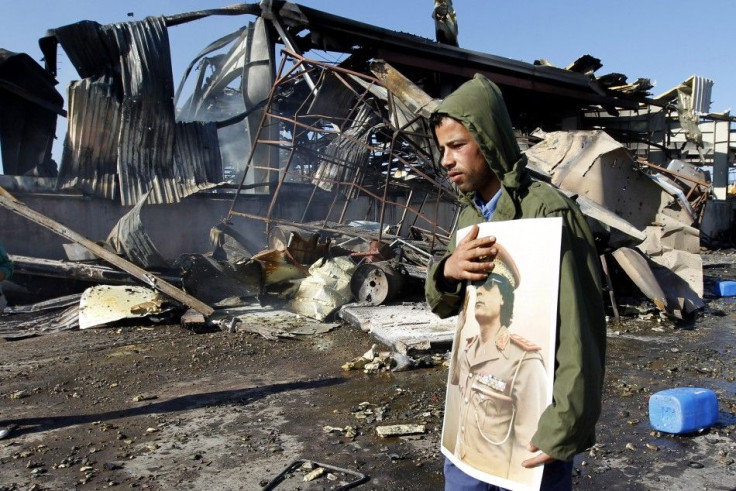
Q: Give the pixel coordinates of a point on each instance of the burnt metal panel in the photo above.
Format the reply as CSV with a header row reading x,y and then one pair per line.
x,y
146,151
197,162
29,105
331,32
89,159
129,238
122,140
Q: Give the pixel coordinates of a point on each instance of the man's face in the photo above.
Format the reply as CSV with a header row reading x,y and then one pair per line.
x,y
463,160
488,301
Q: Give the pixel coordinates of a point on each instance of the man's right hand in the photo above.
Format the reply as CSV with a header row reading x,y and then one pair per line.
x,y
472,259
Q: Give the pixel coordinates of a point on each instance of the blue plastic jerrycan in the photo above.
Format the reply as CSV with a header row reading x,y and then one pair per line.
x,y
683,409
726,288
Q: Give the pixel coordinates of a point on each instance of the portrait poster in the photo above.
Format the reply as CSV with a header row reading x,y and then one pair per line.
x,y
502,363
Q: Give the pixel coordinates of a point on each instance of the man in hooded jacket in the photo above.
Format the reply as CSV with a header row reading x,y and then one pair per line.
x,y
480,153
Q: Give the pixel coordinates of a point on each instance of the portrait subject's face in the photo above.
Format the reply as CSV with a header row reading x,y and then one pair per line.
x,y
488,302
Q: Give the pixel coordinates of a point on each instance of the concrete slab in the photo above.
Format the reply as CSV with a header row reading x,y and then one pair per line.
x,y
404,327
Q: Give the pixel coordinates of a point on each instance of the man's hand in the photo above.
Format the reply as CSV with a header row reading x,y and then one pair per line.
x,y
539,459
472,259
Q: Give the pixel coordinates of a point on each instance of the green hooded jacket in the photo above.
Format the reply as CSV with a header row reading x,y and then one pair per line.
x,y
567,426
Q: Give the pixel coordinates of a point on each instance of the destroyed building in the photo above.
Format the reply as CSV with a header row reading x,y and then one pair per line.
x,y
264,145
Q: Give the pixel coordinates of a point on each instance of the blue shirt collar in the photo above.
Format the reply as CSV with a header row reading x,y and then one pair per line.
x,y
487,209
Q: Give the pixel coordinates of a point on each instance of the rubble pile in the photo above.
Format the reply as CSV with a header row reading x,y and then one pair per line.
x,y
325,176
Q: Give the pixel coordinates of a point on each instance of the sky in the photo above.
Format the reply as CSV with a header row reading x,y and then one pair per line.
x,y
665,41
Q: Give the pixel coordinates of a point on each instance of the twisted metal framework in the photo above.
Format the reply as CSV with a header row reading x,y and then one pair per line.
x,y
349,142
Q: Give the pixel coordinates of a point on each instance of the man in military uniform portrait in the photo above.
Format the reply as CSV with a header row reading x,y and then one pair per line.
x,y
501,380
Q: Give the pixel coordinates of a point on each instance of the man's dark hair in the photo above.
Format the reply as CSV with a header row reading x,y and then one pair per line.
x,y
435,119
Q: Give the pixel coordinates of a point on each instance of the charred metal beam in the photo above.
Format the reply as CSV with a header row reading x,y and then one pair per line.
x,y
97,273
144,276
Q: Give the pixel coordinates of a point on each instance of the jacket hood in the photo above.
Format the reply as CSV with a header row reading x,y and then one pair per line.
x,y
479,106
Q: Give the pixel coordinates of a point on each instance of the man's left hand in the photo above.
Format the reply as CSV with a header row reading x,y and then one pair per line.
x,y
539,459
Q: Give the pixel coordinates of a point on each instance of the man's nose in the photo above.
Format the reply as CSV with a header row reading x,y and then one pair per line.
x,y
447,161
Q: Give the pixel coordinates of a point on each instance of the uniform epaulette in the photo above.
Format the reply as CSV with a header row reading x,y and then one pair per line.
x,y
524,344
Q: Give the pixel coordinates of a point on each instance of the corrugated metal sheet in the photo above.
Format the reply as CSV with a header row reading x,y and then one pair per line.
x,y
197,156
130,239
89,160
122,142
146,151
702,89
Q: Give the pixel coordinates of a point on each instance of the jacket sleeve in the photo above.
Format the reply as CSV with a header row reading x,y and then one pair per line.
x,y
567,426
444,303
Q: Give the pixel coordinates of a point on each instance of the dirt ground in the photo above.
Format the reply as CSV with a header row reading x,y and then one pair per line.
x,y
161,407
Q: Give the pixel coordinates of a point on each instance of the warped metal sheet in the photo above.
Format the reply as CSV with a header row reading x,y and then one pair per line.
x,y
594,165
89,160
123,125
146,151
197,161
47,321
103,304
129,238
637,268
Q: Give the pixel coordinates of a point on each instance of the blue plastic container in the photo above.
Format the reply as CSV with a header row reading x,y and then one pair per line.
x,y
683,410
726,288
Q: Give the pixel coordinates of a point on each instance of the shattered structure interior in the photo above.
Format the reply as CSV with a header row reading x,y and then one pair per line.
x,y
259,119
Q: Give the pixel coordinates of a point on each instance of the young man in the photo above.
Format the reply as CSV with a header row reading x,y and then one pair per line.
x,y
479,151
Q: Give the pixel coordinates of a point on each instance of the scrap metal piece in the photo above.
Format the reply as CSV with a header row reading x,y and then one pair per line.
x,y
621,231
279,266
594,165
637,268
304,246
585,64
122,124
50,316
220,283
403,327
609,287
129,238
230,245
97,273
415,99
445,22
376,283
29,105
359,477
103,304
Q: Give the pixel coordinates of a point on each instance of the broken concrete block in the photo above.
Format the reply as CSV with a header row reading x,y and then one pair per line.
x,y
399,430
